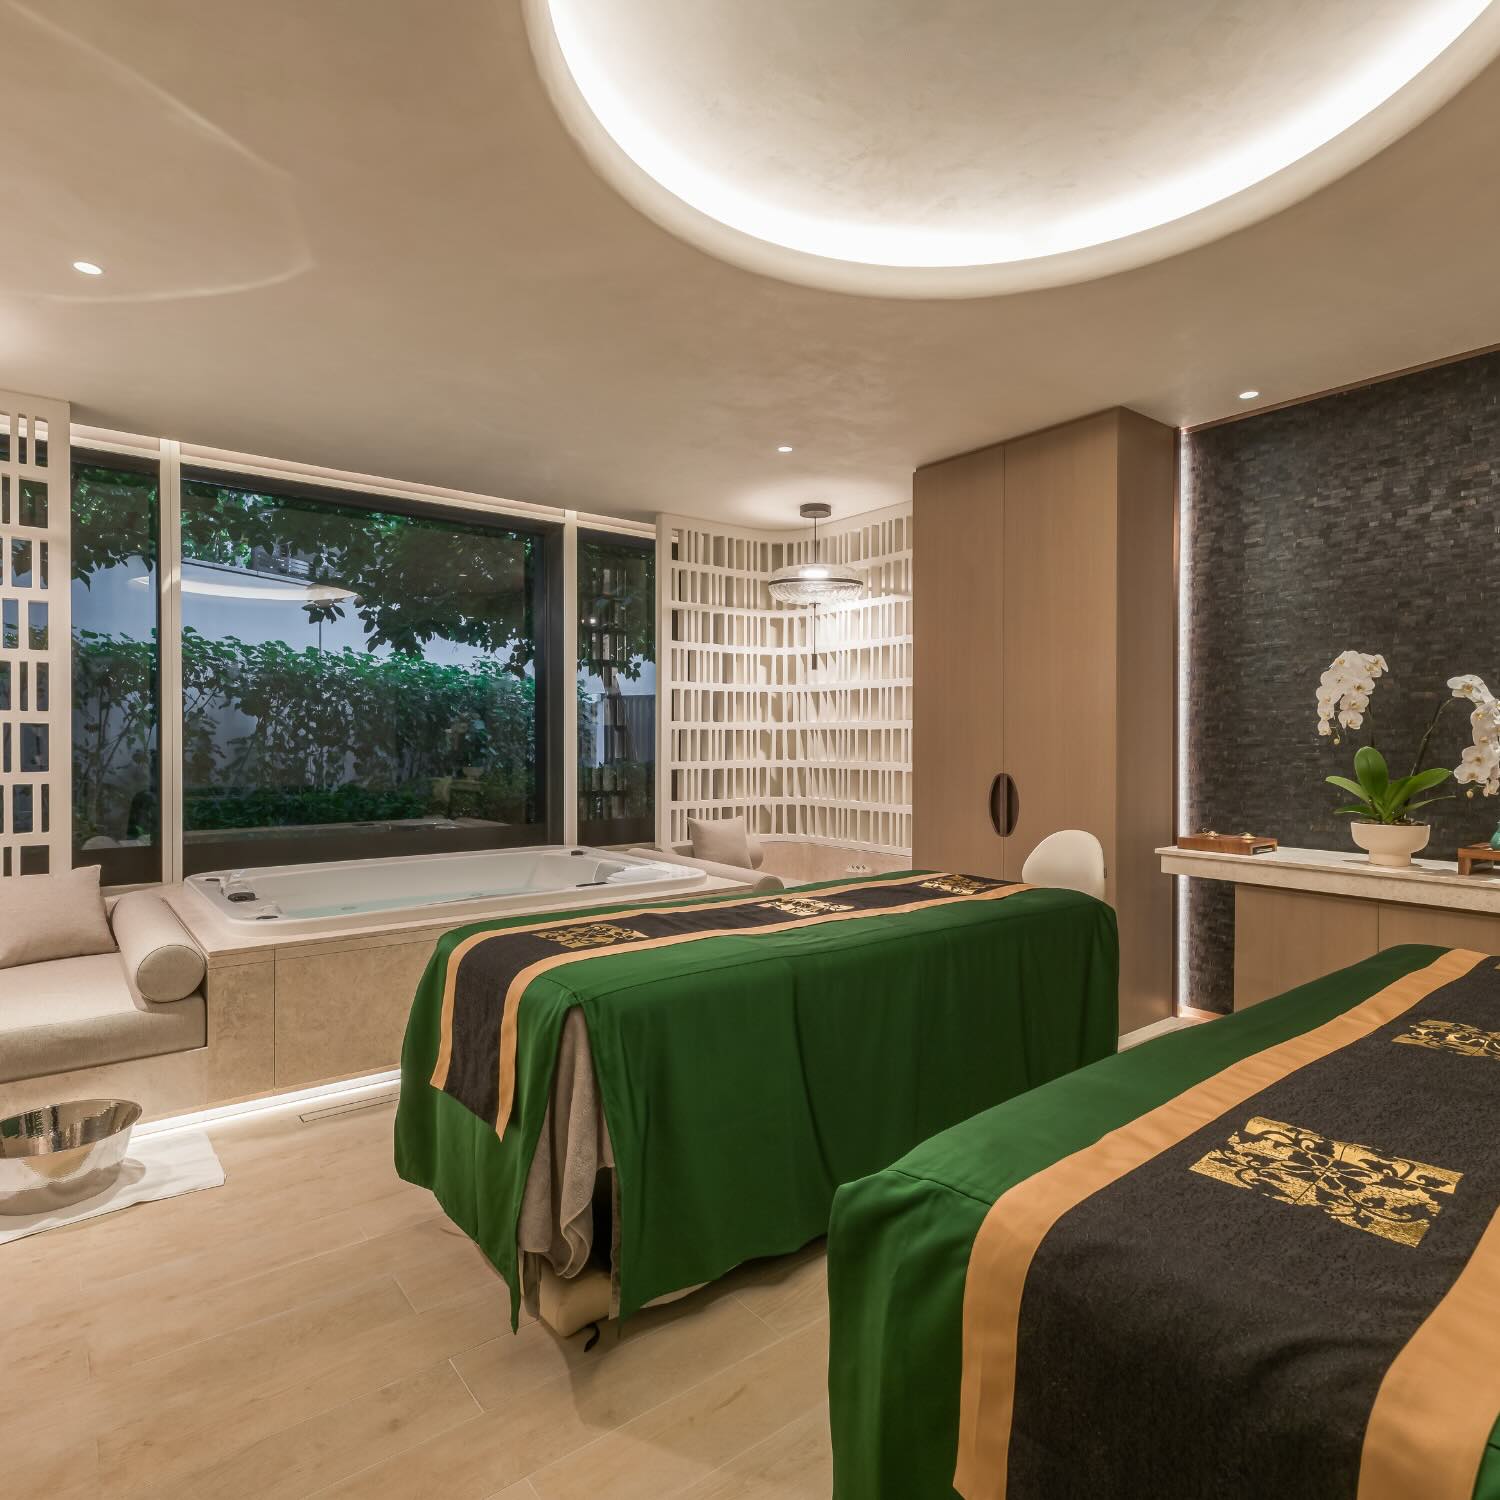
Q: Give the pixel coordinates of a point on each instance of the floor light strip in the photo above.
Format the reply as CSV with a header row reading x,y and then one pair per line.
x,y
345,1091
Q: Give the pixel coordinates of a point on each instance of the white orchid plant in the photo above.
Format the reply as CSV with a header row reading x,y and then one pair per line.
x,y
1344,693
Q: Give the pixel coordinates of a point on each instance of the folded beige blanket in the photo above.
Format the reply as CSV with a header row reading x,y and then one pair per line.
x,y
557,1214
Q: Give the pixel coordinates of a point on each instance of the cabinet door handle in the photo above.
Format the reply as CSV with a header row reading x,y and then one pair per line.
x,y
1005,805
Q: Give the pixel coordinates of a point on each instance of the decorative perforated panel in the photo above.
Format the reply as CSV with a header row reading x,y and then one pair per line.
x,y
35,636
807,746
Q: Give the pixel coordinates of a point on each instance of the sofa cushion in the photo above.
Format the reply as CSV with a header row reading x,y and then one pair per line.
x,y
73,1013
158,953
724,841
52,916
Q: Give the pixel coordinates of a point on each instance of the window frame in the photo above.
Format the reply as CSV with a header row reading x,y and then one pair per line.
x,y
130,866
646,546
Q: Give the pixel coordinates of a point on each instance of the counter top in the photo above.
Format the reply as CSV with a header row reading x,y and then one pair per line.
x,y
1340,872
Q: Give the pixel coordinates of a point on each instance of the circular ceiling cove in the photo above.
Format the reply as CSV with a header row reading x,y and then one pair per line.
x,y
960,148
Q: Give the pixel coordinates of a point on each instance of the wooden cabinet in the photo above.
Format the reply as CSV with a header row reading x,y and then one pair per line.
x,y
1285,937
1044,624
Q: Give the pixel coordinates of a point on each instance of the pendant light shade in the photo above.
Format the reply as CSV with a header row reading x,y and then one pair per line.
x,y
815,582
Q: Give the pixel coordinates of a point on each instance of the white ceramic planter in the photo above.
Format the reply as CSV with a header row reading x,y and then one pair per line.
x,y
1391,843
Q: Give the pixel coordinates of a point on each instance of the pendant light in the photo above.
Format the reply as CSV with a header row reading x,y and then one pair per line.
x,y
815,582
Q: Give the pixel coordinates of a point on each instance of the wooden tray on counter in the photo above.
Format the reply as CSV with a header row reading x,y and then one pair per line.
x,y
1228,843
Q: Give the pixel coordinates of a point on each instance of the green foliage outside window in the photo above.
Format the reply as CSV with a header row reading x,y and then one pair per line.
x,y
337,736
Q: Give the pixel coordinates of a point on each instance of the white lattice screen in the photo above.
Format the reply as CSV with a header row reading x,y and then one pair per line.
x,y
816,749
35,637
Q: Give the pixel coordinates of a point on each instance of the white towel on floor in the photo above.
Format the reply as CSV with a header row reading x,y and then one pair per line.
x,y
157,1166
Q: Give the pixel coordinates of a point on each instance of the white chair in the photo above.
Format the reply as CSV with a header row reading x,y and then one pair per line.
x,y
1071,859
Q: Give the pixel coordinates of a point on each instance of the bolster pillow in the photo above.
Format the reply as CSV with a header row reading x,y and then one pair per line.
x,y
160,959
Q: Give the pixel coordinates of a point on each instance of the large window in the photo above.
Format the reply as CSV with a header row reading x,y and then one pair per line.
x,y
356,681
360,676
616,690
116,769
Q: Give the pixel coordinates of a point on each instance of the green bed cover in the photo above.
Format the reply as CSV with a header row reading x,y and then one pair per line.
x,y
744,1078
899,1241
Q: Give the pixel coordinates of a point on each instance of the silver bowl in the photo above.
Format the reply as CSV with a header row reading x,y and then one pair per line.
x,y
52,1157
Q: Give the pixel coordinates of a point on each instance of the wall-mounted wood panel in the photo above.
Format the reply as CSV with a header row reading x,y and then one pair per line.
x,y
1046,630
1060,633
958,728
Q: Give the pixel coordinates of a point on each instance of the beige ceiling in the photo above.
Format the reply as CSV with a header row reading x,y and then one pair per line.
x,y
972,147
354,233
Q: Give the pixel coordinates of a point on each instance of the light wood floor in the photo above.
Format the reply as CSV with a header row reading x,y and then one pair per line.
x,y
316,1327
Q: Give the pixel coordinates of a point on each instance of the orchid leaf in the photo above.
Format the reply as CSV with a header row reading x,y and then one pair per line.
x,y
1345,784
1401,792
1374,776
1411,807
1424,779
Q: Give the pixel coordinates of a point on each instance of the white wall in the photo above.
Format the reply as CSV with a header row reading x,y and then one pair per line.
x,y
815,749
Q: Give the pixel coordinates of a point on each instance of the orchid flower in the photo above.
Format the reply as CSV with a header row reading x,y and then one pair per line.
x,y
1344,690
1480,764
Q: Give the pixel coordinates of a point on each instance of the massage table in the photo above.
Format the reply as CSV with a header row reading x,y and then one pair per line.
x,y
626,1103
1254,1257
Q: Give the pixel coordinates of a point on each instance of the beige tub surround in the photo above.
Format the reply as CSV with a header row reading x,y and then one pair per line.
x,y
341,1010
1301,913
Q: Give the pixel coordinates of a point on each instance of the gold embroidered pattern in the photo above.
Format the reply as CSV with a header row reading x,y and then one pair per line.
x,y
1385,1195
805,906
959,885
593,935
1453,1036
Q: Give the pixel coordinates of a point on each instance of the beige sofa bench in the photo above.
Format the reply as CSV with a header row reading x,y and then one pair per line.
x,y
66,1015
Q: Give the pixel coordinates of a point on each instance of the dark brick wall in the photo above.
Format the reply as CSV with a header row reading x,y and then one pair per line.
x,y
1368,521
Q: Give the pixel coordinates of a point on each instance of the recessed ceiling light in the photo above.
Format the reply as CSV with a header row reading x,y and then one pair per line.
x,y
784,448
88,268
1248,395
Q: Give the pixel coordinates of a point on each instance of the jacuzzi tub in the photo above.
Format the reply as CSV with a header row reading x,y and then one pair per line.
x,y
312,898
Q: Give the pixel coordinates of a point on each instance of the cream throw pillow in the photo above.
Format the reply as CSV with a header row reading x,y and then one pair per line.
x,y
52,916
726,841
